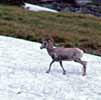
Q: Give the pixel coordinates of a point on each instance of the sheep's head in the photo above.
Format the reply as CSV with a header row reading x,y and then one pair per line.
x,y
47,43
44,44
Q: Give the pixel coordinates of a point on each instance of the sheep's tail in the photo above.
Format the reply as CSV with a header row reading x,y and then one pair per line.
x,y
81,53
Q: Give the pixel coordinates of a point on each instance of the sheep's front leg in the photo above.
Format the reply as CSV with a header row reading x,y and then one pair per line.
x,y
50,66
84,63
64,72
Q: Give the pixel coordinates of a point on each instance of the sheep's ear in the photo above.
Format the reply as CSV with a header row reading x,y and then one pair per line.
x,y
47,38
42,39
50,39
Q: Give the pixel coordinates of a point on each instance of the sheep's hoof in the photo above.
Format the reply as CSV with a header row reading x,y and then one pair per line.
x,y
64,73
47,71
84,74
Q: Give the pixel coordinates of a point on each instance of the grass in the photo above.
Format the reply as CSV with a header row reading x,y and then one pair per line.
x,y
67,29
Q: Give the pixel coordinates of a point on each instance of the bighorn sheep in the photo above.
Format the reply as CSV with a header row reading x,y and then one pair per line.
x,y
60,54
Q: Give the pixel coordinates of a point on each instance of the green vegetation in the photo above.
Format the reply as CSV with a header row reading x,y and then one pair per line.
x,y
67,29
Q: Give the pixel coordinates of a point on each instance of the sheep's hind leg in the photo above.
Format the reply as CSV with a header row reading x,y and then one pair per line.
x,y
84,63
50,66
64,72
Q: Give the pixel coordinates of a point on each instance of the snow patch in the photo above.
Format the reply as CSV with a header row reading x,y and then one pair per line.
x,y
23,77
37,8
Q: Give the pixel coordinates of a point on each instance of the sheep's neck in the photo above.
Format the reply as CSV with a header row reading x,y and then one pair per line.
x,y
50,48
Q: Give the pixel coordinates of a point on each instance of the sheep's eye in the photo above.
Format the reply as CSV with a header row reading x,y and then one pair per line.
x,y
45,43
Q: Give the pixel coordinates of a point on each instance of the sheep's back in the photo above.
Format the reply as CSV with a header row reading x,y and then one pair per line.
x,y
68,53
